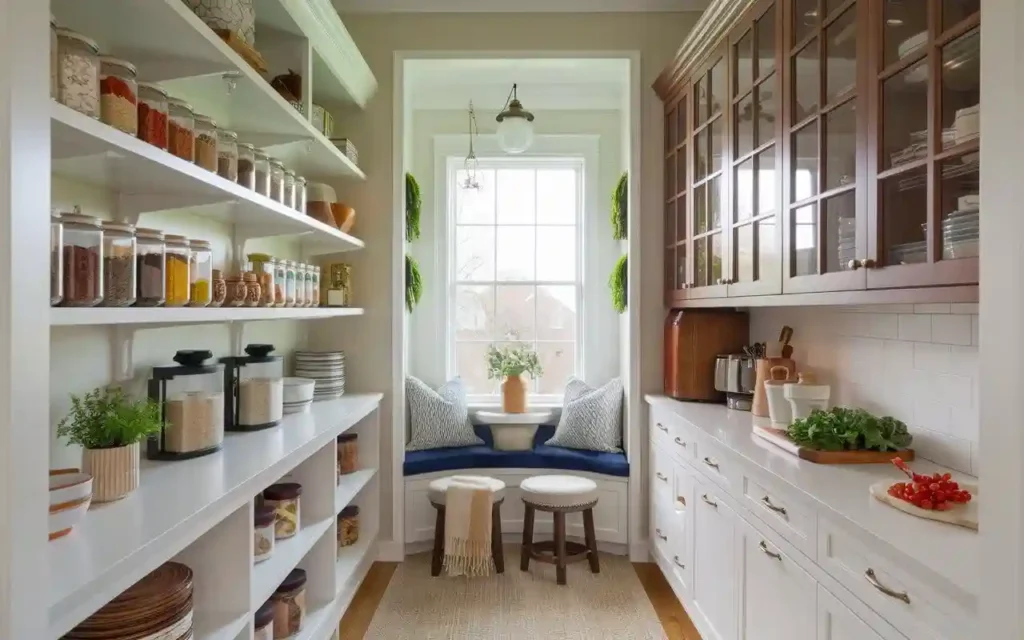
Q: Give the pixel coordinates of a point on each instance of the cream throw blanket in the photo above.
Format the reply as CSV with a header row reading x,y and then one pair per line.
x,y
467,527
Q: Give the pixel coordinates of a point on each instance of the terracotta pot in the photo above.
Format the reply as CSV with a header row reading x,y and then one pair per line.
x,y
115,471
513,395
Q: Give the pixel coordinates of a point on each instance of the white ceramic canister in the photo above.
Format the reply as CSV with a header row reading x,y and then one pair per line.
x,y
805,396
778,406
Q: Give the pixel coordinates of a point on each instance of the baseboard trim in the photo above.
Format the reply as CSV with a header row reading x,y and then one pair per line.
x,y
639,552
390,551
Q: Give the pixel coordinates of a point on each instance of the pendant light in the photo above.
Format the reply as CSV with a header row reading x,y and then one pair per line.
x,y
515,125
471,165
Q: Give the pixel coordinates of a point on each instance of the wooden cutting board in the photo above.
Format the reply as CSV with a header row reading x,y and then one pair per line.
x,y
962,515
779,438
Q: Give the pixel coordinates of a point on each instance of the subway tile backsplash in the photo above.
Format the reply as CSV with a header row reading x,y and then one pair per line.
x,y
918,363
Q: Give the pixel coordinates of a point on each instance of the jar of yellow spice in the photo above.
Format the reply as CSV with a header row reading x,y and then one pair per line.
x,y
201,273
177,271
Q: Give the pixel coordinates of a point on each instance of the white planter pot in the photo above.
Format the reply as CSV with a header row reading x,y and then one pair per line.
x,y
115,471
805,398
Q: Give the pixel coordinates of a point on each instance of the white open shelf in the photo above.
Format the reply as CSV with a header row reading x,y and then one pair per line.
x,y
120,542
270,573
353,564
224,627
80,316
351,484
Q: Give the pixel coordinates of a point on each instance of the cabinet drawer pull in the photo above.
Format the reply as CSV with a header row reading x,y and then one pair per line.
x,y
663,427
661,476
675,559
711,463
709,501
768,503
681,500
660,534
770,554
680,442
899,595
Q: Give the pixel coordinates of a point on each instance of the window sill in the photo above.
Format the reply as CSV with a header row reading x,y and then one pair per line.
x,y
555,406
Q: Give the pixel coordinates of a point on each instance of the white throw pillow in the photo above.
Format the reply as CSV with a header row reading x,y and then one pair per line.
x,y
591,417
438,418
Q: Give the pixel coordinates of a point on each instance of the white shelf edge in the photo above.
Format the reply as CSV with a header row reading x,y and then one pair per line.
x,y
350,486
323,620
288,553
220,627
94,316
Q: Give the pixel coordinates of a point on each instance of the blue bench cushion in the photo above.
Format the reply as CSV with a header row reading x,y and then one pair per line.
x,y
541,457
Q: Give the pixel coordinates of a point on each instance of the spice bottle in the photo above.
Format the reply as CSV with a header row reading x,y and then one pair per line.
x,y
288,193
178,287
300,284
261,181
289,283
264,621
348,453
153,116
119,90
56,259
348,526
284,497
263,532
300,194
181,129
276,180
119,286
78,75
290,605
280,282
200,274
227,154
206,143
83,255
150,267
308,281
220,289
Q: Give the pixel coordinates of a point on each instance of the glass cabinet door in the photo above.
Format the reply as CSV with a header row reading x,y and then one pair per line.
x,y
825,241
676,119
755,165
925,184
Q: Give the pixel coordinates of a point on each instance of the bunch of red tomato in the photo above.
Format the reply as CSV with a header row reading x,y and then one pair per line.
x,y
937,492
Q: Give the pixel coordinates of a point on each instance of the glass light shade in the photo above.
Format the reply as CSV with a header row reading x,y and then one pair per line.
x,y
515,134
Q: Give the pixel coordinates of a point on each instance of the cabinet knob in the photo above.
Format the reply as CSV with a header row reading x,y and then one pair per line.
x,y
873,579
771,554
869,263
680,441
854,264
679,564
720,281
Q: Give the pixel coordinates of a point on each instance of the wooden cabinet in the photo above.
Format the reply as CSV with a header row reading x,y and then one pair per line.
x,y
823,146
714,583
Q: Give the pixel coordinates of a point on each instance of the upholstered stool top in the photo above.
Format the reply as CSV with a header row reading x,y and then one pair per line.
x,y
558,491
438,488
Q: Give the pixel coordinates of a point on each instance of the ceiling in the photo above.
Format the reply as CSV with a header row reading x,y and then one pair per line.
x,y
527,6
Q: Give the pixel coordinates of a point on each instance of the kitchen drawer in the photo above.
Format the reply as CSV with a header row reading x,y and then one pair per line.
x,y
783,510
664,531
720,466
907,603
673,435
662,471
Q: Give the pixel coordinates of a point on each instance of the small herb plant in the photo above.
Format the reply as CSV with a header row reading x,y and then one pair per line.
x,y
512,361
413,283
842,429
413,205
620,207
106,418
618,284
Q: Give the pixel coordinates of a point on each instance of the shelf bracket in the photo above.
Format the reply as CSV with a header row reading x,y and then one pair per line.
x,y
122,338
237,330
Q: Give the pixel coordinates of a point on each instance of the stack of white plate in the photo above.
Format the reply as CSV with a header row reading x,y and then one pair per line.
x,y
909,253
327,368
960,233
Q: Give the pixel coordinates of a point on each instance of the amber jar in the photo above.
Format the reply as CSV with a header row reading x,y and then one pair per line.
x,y
235,291
263,267
220,289
284,497
290,605
348,453
348,526
253,290
264,520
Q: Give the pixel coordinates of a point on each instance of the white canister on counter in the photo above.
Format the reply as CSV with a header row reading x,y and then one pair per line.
x,y
779,411
805,396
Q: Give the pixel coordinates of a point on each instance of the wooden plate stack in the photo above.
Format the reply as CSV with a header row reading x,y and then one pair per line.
x,y
158,607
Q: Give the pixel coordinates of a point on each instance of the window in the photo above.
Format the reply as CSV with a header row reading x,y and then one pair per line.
x,y
515,267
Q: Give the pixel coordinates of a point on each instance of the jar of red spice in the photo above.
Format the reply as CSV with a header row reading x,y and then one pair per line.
x,y
119,102
83,257
153,115
181,129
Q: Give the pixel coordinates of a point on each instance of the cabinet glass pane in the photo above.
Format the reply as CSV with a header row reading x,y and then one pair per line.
x,y
670,177
806,81
955,11
680,269
670,269
805,19
905,25
744,179
700,262
700,155
670,130
841,56
832,5
841,146
681,121
805,240
905,116
670,223
904,212
768,261
681,170
745,125
717,143
744,237
717,252
700,101
715,201
764,31
700,209
766,182
960,207
681,218
743,66
840,231
767,111
718,94
961,89
805,163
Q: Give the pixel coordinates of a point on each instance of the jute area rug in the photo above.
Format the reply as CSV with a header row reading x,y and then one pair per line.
x,y
516,605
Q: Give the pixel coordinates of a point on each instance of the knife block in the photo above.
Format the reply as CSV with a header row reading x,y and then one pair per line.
x,y
762,372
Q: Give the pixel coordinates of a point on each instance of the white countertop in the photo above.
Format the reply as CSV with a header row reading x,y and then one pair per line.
x,y
946,551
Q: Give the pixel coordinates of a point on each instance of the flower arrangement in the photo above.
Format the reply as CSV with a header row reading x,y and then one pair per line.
x,y
512,361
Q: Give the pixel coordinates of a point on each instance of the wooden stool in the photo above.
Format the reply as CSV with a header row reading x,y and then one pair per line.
x,y
559,495
437,492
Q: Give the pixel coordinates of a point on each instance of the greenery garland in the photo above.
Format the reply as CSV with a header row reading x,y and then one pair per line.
x,y
413,204
413,283
620,207
619,285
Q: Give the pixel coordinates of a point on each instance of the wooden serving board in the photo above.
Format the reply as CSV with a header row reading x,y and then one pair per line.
x,y
779,438
962,515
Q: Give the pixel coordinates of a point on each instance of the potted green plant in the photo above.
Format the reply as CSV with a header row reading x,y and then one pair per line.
x,y
618,283
509,364
413,205
109,426
620,207
413,283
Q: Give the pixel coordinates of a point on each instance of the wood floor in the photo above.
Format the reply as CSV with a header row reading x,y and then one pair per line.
x,y
673,618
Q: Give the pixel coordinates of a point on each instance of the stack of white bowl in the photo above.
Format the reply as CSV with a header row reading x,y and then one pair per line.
x,y
327,368
298,394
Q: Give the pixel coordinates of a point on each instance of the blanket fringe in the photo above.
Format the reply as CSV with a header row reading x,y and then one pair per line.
x,y
468,558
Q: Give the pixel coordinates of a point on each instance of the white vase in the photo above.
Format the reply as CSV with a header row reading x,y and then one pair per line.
x,y
115,471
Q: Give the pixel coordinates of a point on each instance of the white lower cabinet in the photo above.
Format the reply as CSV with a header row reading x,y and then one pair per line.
x,y
714,582
777,597
837,622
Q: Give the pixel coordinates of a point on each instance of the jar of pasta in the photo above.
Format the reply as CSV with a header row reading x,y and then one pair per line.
x,y
290,605
150,267
206,143
348,454
178,287
261,173
284,498
119,251
201,273
348,526
247,165
181,129
276,180
263,267
119,102
78,75
263,532
153,117
227,154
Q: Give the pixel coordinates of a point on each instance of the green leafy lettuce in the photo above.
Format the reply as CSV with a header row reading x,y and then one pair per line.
x,y
843,429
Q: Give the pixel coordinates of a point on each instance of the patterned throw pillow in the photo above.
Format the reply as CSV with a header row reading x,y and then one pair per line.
x,y
591,418
438,418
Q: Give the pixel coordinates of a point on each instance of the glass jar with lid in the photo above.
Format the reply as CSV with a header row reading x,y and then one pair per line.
x,y
178,286
152,125
200,273
262,173
255,389
280,282
289,283
149,267
300,284
181,129
288,191
191,399
247,165
56,259
276,180
78,73
263,267
300,194
206,143
310,297
83,254
118,264
227,154
119,94
316,286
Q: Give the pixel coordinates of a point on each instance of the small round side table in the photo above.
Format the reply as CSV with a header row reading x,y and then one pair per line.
x,y
513,431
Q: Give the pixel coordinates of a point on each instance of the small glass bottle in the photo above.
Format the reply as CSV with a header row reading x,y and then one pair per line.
x,y
280,282
300,284
153,117
181,129
119,95
119,251
310,299
227,154
177,290
56,259
206,143
247,165
150,249
276,180
300,194
316,286
288,192
261,183
78,73
200,274
289,283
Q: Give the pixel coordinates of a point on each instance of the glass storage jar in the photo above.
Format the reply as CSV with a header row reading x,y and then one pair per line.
x,y
289,283
181,129
220,289
276,180
255,389
261,173
191,399
206,143
83,255
290,605
263,532
247,165
54,59
178,286
263,621
263,267
119,94
280,282
300,194
288,192
348,526
119,277
285,498
310,298
150,267
253,290
56,259
78,75
348,454
200,273
153,116
227,154
316,286
300,284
